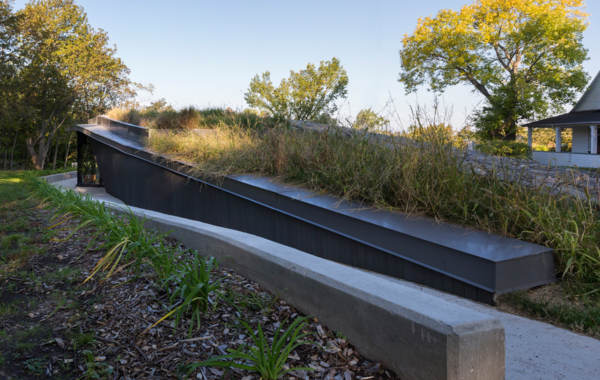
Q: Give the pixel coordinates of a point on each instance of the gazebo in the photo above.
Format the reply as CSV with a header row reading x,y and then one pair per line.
x,y
584,120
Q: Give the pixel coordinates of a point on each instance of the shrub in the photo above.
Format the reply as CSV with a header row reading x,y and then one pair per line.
x,y
505,148
192,290
268,360
165,117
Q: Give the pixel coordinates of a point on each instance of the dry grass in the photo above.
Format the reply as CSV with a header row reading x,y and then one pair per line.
x,y
424,178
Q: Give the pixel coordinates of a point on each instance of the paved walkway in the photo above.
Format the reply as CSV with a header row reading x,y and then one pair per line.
x,y
534,350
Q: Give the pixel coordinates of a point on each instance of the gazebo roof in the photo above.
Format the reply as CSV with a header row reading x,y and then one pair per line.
x,y
585,112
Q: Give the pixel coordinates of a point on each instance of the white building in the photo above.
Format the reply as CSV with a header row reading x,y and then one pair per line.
x,y
584,120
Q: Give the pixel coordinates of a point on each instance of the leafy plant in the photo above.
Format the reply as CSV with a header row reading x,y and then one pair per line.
x,y
305,95
193,289
125,237
266,359
35,366
426,176
524,57
505,148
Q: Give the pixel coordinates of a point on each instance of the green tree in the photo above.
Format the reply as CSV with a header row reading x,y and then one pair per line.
x,y
308,94
369,120
8,64
523,56
66,72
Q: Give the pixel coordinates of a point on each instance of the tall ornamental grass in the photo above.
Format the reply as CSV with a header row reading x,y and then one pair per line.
x,y
426,177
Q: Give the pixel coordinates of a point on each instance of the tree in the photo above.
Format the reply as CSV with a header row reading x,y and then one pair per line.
x,y
65,72
8,64
308,94
369,120
523,56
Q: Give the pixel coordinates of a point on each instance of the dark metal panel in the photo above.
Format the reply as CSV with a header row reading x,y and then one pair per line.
x,y
355,238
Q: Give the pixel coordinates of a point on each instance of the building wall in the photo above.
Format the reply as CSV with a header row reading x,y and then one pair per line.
x,y
581,160
581,139
591,98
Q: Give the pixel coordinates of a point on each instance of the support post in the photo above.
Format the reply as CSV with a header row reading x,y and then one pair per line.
x,y
593,139
530,137
558,139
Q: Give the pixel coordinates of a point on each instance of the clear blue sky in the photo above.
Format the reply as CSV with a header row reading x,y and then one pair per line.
x,y
204,53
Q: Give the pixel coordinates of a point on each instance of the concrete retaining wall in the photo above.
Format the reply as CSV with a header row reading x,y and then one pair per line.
x,y
417,335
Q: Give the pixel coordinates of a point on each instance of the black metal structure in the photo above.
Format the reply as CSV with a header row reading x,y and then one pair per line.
x,y
458,260
88,173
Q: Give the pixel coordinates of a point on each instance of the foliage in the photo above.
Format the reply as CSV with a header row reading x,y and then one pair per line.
x,y
129,243
305,95
165,117
192,290
62,70
523,56
504,148
424,177
369,120
267,360
582,316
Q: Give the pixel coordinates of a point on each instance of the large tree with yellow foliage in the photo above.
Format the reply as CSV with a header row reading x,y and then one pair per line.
x,y
523,56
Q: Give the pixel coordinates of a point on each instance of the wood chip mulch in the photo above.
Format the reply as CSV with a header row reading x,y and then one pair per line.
x,y
96,330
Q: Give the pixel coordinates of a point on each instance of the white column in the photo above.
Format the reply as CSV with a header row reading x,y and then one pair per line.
x,y
530,137
558,139
593,139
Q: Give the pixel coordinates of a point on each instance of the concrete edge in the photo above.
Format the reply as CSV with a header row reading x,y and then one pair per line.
x,y
53,178
418,335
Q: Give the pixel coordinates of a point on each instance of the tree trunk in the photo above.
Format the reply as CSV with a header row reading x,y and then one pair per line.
x,y
56,143
68,149
38,158
12,151
510,129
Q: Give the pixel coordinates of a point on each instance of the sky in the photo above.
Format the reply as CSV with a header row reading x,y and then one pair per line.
x,y
204,53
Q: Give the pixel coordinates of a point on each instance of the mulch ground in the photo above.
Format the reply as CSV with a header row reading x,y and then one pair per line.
x,y
53,326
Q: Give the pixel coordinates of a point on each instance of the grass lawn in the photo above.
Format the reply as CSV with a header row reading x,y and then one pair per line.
x,y
53,324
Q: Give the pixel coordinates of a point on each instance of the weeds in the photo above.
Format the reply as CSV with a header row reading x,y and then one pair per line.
x,y
192,290
35,366
268,360
128,243
165,117
424,176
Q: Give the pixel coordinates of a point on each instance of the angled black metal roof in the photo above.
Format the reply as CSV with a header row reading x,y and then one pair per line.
x,y
583,118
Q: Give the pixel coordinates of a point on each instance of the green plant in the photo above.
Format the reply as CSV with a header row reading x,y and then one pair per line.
x,y
505,148
249,300
192,290
305,95
95,369
82,340
125,238
268,360
369,120
426,176
524,58
580,318
35,366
